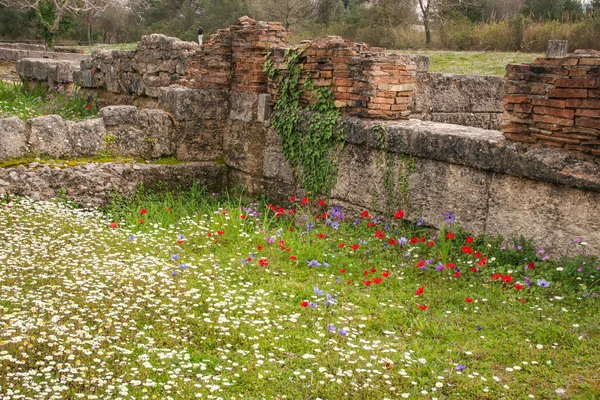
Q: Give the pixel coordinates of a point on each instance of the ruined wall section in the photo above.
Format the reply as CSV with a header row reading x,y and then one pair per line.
x,y
158,61
365,81
555,102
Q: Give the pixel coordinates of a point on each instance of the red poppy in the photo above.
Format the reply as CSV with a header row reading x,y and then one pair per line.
x,y
469,240
179,241
208,234
414,240
304,304
143,211
379,235
291,229
430,243
450,236
422,307
507,278
399,214
293,198
377,280
423,240
259,247
482,262
477,255
141,221
114,225
450,265
168,209
364,214
420,263
522,300
457,274
496,276
392,242
474,269
263,262
373,270
220,233
242,216
420,291
349,281
322,202
354,247
518,286
342,245
292,212
249,259
530,265
467,249
342,271
293,258
370,224
304,201
385,274
278,214
367,283
321,235
365,273
88,106
468,299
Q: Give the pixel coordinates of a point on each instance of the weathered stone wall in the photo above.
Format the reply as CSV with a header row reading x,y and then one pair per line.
x,y
121,130
555,102
158,61
91,184
16,53
49,71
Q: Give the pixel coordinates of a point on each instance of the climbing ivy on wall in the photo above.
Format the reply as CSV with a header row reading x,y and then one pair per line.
x,y
310,132
396,170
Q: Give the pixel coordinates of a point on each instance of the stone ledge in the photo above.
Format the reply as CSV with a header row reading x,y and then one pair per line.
x,y
477,148
91,184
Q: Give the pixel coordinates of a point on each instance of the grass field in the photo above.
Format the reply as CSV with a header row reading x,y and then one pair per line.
x,y
187,295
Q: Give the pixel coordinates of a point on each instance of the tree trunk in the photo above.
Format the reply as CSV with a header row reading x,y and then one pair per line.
x,y
427,31
89,31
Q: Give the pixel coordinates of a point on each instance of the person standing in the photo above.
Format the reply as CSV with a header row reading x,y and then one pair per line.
x,y
200,34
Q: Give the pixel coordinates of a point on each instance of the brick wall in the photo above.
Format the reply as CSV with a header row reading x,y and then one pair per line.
x,y
555,102
366,81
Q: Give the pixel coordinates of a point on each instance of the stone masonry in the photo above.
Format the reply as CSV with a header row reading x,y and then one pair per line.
x,y
555,102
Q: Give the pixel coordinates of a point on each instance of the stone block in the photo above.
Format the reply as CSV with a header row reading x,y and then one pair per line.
x,y
243,145
200,139
119,115
86,138
14,136
243,106
275,166
551,216
49,136
187,104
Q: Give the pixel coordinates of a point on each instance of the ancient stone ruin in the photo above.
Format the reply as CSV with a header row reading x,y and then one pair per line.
x,y
429,142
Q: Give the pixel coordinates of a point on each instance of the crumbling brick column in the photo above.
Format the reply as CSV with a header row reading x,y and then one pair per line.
x,y
555,102
365,81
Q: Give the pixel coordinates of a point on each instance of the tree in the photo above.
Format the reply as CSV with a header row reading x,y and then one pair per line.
x,y
551,9
51,14
291,13
439,11
328,11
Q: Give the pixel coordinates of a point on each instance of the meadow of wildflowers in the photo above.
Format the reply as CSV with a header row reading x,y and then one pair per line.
x,y
168,297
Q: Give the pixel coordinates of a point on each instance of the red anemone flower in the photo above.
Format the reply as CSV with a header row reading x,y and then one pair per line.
x,y
450,265
321,235
263,262
367,283
293,198
114,225
467,249
354,247
220,233
143,211
304,201
518,286
379,235
414,240
304,304
468,299
469,240
343,270
364,214
385,274
392,242
420,291
342,245
373,270
377,280
422,307
322,202
399,214
293,258
450,236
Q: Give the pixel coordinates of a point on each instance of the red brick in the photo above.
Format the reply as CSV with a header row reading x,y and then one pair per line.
x,y
548,103
553,138
567,93
588,122
522,108
576,83
556,61
516,99
589,103
553,120
590,61
586,112
559,112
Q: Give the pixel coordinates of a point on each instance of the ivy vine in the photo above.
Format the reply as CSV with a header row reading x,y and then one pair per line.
x,y
396,172
310,132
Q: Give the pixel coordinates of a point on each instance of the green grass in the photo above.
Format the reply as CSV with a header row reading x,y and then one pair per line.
x,y
473,62
25,102
72,162
172,302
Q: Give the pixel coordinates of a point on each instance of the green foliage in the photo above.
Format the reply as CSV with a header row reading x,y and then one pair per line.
x,y
311,133
27,102
45,20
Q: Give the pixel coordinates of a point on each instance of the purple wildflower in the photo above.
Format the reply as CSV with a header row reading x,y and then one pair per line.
x,y
331,328
318,291
343,332
528,281
420,221
313,263
543,283
439,267
461,367
449,217
402,241
174,257
312,305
